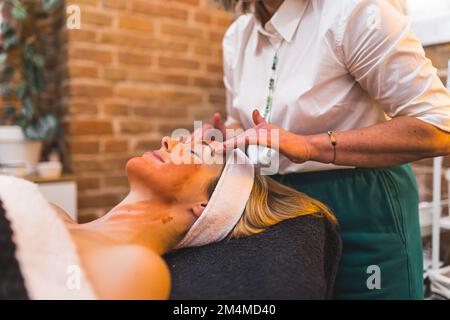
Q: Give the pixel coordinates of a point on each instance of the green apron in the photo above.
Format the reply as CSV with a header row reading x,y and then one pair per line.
x,y
377,210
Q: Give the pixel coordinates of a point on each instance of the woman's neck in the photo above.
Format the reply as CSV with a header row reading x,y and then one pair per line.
x,y
136,220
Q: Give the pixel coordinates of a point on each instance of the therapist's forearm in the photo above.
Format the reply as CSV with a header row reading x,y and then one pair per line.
x,y
400,140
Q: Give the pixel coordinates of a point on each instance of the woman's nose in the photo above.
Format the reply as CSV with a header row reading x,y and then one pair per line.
x,y
165,143
168,144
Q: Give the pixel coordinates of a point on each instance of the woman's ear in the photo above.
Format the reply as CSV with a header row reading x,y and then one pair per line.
x,y
198,208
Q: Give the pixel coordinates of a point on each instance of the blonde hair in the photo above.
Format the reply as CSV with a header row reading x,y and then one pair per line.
x,y
271,202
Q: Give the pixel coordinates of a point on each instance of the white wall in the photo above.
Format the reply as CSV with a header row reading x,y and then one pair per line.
x,y
431,20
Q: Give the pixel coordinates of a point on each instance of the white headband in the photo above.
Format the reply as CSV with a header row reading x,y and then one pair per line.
x,y
226,205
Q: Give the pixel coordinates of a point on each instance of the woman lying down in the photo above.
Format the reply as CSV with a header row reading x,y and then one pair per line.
x,y
170,206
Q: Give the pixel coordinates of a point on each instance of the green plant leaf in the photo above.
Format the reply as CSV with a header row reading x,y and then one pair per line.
x,y
21,90
20,121
34,77
6,29
32,66
8,72
27,109
9,42
19,12
10,111
27,50
45,128
38,60
6,90
49,4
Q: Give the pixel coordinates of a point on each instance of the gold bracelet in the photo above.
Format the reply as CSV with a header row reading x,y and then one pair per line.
x,y
333,143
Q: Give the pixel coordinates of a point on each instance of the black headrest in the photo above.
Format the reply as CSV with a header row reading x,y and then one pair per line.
x,y
295,259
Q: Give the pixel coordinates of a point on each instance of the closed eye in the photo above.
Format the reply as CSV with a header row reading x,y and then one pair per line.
x,y
205,144
210,148
194,153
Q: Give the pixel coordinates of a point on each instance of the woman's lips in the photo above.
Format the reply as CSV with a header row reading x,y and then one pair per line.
x,y
155,155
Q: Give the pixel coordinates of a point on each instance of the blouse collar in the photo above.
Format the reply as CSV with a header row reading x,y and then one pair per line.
x,y
284,22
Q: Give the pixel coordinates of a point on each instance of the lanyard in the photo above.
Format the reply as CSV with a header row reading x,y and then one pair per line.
x,y
269,100
264,154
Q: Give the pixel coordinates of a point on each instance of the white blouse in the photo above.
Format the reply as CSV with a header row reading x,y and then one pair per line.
x,y
342,65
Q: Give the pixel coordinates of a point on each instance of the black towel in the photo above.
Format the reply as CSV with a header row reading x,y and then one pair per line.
x,y
295,259
12,285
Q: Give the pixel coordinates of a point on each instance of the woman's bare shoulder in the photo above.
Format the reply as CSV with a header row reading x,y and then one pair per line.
x,y
61,213
128,272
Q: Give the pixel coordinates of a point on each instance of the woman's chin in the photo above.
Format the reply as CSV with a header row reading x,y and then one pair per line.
x,y
139,166
144,173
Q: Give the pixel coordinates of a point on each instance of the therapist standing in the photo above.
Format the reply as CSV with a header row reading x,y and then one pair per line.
x,y
355,99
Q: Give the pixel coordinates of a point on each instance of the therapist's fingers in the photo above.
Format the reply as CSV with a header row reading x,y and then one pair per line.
x,y
258,118
250,137
218,123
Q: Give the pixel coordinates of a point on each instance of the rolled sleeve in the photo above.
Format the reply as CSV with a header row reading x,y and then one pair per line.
x,y
228,45
388,61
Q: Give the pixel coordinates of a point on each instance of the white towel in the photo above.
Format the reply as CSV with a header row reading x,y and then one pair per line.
x,y
226,205
45,251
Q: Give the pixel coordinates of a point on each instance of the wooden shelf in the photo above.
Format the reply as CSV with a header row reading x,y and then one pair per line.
x,y
63,178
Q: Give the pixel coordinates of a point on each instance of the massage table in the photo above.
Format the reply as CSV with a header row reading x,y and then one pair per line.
x,y
296,259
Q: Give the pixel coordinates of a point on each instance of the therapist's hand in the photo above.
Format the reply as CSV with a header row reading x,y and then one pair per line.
x,y
294,147
217,124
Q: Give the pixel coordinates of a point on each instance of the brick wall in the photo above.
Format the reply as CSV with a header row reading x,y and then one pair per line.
x,y
135,71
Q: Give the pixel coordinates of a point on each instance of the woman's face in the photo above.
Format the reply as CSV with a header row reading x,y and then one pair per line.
x,y
179,172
